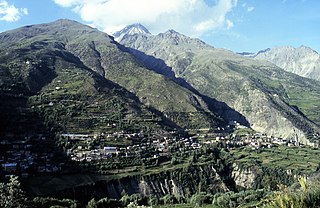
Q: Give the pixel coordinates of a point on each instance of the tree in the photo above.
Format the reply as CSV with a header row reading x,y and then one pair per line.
x,y
92,204
153,201
174,161
125,200
40,202
168,199
11,195
222,200
201,198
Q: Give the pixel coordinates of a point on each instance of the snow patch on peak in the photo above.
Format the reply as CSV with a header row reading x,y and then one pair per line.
x,y
133,29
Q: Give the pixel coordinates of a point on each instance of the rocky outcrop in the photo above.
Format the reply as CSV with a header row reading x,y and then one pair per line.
x,y
244,177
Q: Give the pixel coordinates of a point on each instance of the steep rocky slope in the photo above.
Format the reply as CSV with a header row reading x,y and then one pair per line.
x,y
262,92
80,78
178,182
302,61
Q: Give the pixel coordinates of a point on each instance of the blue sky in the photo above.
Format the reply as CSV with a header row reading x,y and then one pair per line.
x,y
238,25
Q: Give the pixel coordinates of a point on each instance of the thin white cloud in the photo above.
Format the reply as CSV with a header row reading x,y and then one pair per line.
x,y
191,17
10,13
250,9
229,24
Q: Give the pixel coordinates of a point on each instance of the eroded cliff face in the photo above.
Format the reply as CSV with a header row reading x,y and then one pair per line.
x,y
266,114
178,182
183,183
244,177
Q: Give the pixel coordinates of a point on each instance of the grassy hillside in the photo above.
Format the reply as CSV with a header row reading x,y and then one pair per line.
x,y
59,90
298,160
116,64
79,80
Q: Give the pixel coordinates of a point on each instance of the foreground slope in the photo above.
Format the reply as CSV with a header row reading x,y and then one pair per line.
x,y
79,78
274,101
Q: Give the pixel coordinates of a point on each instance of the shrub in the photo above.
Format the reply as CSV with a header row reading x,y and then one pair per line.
x,y
201,198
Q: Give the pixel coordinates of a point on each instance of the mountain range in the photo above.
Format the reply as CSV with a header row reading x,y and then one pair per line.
x,y
77,79
272,100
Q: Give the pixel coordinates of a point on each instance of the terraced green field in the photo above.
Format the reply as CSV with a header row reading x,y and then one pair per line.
x,y
301,159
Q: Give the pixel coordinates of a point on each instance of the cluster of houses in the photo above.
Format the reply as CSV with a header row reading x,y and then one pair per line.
x,y
21,155
159,145
80,154
254,140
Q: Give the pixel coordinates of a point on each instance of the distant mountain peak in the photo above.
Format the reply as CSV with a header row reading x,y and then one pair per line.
x,y
306,48
132,29
303,60
171,31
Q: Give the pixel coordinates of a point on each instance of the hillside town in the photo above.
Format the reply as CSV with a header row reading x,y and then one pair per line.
x,y
26,156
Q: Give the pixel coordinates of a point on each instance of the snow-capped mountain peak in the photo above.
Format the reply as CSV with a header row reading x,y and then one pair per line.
x,y
131,30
